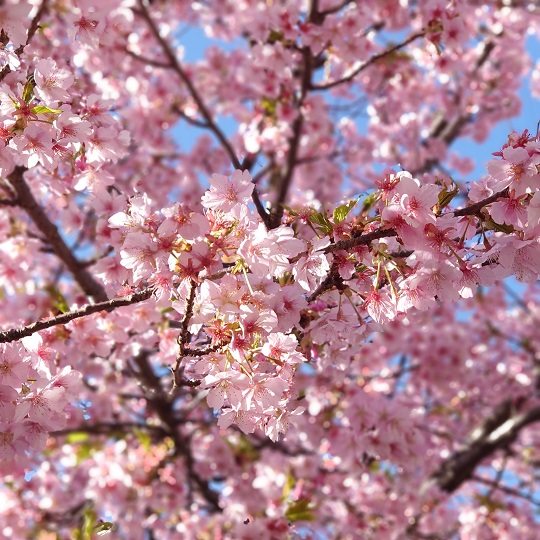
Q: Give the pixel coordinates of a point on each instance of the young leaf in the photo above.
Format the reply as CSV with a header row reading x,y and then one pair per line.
x,y
300,510
340,213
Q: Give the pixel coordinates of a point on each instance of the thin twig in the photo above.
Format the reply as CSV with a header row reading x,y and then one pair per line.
x,y
476,207
371,61
34,25
177,67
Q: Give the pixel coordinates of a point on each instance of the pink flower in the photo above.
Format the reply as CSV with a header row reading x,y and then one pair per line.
x,y
288,303
413,201
182,222
509,210
282,347
269,251
44,407
138,254
106,144
13,20
34,146
228,386
13,370
11,441
225,193
280,422
517,168
310,270
380,306
246,421
264,393
51,82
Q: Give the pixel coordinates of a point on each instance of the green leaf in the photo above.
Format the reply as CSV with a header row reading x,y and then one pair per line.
x,y
144,439
28,90
340,213
321,219
42,109
59,302
300,510
274,36
88,524
102,527
369,201
290,210
445,197
489,503
269,106
492,226
288,486
91,526
77,437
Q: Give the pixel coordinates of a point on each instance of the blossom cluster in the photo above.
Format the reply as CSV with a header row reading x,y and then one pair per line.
x,y
184,297
242,290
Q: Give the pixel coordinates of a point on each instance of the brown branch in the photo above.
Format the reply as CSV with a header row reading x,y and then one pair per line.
x,y
476,207
148,61
163,407
362,240
294,141
15,334
332,279
192,121
449,131
177,67
183,338
336,8
494,484
497,432
209,122
107,428
371,61
34,25
26,200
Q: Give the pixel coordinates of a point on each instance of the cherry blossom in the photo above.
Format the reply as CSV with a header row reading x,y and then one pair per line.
x,y
255,288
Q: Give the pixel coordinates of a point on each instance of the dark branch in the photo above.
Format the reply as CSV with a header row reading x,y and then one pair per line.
x,y
163,407
371,61
108,305
177,67
476,207
497,432
25,199
184,336
362,240
108,428
34,25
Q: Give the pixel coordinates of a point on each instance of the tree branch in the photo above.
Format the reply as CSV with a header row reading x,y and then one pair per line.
x,y
177,67
26,200
497,432
34,25
371,61
107,428
184,334
362,240
294,141
164,409
476,207
493,484
108,305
